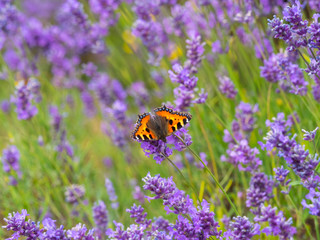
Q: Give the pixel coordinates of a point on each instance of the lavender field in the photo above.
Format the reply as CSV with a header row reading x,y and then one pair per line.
x,y
159,119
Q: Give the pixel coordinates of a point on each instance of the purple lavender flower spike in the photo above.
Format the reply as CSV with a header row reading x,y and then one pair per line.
x,y
79,232
309,136
136,212
112,194
162,188
89,69
157,148
314,198
227,87
260,190
51,231
241,228
88,102
5,106
243,156
244,115
315,5
281,174
299,159
101,218
195,52
24,95
22,228
10,159
278,225
74,193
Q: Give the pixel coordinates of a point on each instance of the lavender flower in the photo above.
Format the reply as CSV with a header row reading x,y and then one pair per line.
x,y
24,95
88,102
158,148
112,194
315,5
260,190
281,174
89,69
195,51
100,216
202,225
137,192
227,87
243,156
52,232
74,193
22,228
17,223
136,212
185,92
293,33
241,228
279,68
244,116
79,232
162,188
309,136
5,106
299,159
278,225
314,198
10,159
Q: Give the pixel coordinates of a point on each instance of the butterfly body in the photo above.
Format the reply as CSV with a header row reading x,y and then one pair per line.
x,y
158,126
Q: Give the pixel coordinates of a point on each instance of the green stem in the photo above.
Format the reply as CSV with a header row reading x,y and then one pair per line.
x,y
316,226
211,174
297,212
191,185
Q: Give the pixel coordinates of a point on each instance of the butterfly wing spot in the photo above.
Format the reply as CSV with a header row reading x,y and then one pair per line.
x,y
147,129
170,122
173,129
179,125
145,137
185,120
150,137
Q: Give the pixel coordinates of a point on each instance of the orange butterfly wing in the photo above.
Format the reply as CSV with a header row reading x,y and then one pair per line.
x,y
176,120
141,131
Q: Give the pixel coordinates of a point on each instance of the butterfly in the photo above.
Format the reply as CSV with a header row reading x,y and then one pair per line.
x,y
159,125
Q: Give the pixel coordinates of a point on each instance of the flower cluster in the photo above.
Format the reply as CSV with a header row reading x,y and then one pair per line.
x,y
25,94
281,174
298,34
299,159
101,218
242,228
239,153
260,190
278,225
112,194
10,161
202,224
74,194
21,227
185,93
279,68
227,87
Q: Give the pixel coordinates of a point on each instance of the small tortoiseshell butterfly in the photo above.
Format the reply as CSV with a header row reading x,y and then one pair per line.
x,y
157,126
